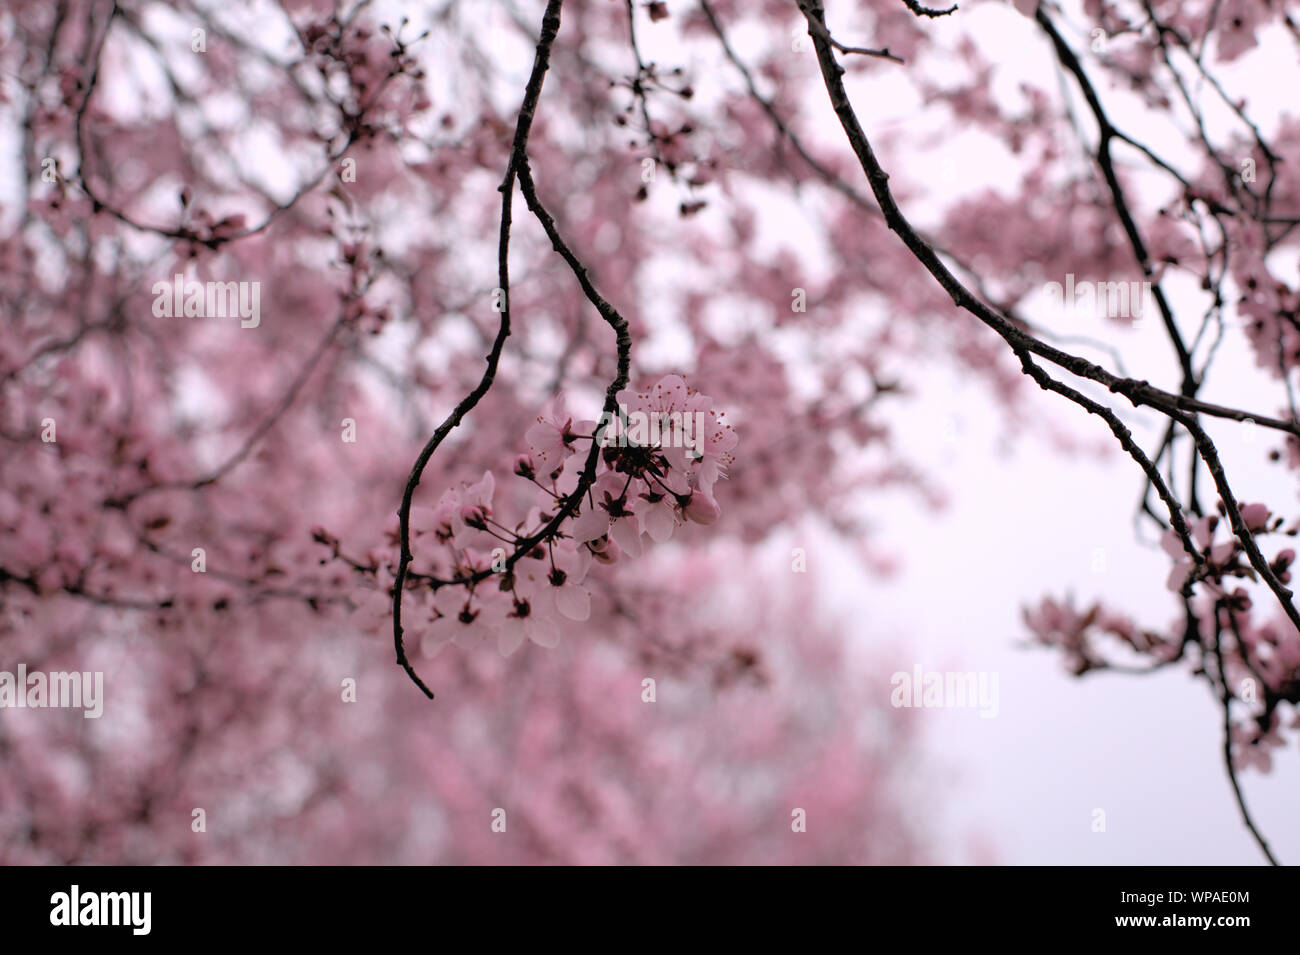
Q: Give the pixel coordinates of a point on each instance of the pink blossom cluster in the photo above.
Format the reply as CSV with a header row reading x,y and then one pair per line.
x,y
1225,558
1251,658
1058,624
641,489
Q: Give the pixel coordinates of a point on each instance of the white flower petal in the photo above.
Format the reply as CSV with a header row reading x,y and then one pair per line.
x,y
574,602
590,525
659,523
542,632
510,636
625,534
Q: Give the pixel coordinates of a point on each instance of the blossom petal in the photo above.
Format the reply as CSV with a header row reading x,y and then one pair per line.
x,y
626,535
542,632
573,602
659,523
590,525
510,637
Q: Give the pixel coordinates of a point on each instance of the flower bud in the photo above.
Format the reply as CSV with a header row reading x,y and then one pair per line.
x,y
1255,516
473,516
702,510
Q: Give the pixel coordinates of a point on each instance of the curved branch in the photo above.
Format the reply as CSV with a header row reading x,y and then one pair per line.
x,y
1226,699
550,29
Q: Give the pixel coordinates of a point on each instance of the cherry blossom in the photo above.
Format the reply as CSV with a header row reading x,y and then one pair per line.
x,y
468,264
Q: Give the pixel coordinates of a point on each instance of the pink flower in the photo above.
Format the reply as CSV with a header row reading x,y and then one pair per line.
x,y
693,437
1172,545
614,515
475,506
669,394
373,609
1256,516
1054,622
1236,25
702,509
436,520
659,515
712,453
551,438
463,621
1203,532
571,599
1250,747
522,623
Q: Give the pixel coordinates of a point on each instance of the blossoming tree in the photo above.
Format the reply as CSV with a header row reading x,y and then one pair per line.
x,y
555,336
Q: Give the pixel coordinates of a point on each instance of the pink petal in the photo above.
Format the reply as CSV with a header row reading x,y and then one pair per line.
x,y
573,602
510,637
1255,515
542,632
590,525
625,534
702,510
659,523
